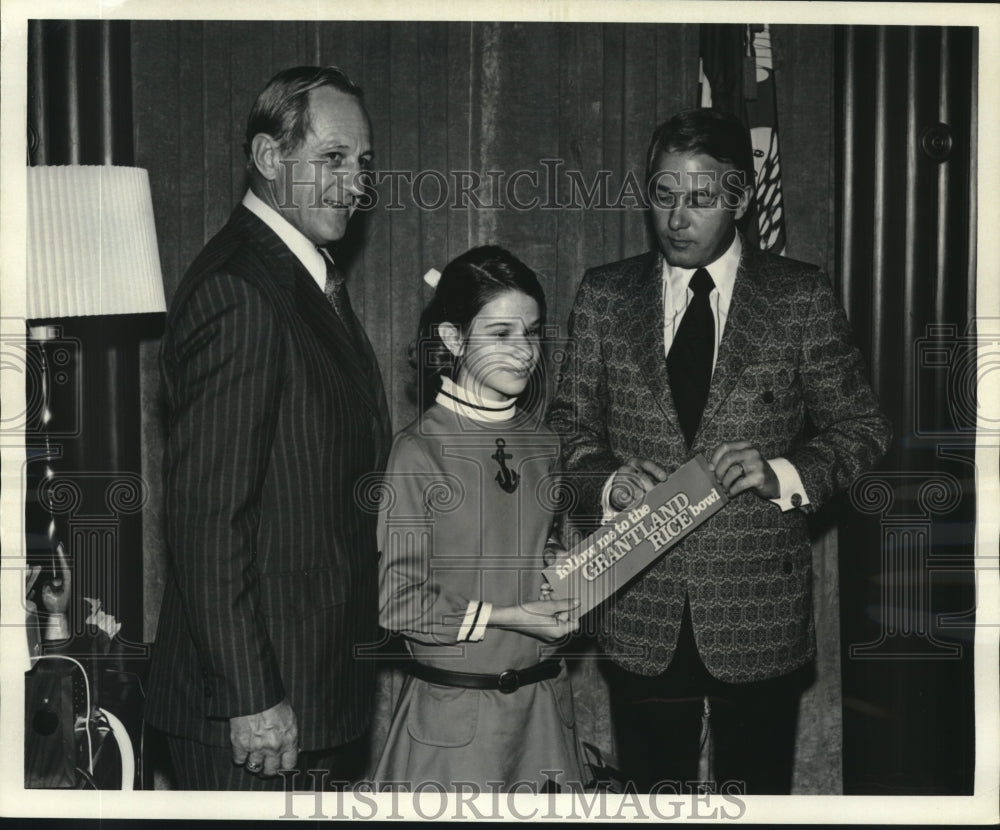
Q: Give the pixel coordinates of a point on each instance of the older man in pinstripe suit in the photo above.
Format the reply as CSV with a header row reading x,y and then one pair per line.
x,y
276,410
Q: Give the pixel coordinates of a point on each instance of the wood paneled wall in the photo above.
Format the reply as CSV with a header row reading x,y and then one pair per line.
x,y
443,97
452,97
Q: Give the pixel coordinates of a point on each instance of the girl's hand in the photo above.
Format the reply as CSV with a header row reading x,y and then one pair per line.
x,y
548,620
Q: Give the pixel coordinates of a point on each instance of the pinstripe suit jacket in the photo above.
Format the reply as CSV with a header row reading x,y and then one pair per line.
x,y
786,359
274,414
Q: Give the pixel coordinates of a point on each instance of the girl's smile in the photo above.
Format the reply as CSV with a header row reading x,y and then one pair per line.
x,y
501,349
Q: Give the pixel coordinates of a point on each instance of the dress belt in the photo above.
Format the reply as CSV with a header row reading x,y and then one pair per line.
x,y
506,682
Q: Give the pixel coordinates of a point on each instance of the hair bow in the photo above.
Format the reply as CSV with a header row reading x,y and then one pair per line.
x,y
432,277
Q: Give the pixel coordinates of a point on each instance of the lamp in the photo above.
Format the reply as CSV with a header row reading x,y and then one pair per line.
x,y
92,252
91,242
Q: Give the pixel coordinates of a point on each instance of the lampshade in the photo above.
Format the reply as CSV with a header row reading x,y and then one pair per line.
x,y
91,242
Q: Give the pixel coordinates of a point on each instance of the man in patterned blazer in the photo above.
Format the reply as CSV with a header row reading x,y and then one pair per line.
x,y
276,410
711,346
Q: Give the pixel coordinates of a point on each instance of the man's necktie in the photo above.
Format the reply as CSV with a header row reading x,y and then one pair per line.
x,y
336,293
335,290
689,362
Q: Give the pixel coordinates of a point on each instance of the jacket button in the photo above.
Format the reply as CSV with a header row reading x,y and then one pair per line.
x,y
786,566
768,396
796,500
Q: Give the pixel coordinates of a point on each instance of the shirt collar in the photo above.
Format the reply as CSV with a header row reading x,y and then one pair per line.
x,y
723,271
463,402
305,252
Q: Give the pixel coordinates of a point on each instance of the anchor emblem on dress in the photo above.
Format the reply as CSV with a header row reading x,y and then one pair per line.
x,y
506,478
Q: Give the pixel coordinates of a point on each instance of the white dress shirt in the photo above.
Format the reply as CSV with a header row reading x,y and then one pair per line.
x,y
308,254
676,297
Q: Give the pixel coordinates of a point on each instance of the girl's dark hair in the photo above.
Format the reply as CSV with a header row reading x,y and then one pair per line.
x,y
468,283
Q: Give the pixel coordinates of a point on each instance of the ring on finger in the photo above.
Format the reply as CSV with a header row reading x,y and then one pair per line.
x,y
253,766
743,471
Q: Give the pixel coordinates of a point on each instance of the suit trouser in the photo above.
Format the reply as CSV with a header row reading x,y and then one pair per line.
x,y
198,766
658,724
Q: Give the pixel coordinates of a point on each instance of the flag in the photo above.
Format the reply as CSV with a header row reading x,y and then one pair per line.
x,y
737,76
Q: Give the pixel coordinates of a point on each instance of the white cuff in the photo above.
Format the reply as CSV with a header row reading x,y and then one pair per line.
x,y
607,512
479,631
792,493
473,627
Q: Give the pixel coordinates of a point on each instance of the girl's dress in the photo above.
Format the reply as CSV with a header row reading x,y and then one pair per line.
x,y
466,517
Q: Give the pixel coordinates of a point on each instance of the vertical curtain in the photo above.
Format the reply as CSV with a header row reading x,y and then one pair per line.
x,y
79,92
80,112
905,153
733,83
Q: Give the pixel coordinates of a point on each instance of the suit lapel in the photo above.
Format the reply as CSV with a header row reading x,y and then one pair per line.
x,y
354,357
644,316
384,436
379,405
747,321
310,304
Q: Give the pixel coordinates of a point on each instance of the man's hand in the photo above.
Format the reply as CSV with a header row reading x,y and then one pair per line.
x,y
632,481
739,466
55,594
266,741
546,619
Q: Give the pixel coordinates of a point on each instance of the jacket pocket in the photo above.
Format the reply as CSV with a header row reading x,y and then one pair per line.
x,y
442,715
769,382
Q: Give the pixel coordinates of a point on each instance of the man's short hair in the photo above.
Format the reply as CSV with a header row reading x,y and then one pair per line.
x,y
711,132
282,107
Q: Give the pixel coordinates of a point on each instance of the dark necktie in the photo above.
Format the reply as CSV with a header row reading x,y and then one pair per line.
x,y
689,362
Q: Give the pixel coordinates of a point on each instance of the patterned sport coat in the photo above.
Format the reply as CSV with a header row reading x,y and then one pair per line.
x,y
786,363
275,413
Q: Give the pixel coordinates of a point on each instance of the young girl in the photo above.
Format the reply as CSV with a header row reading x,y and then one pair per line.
x,y
462,532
